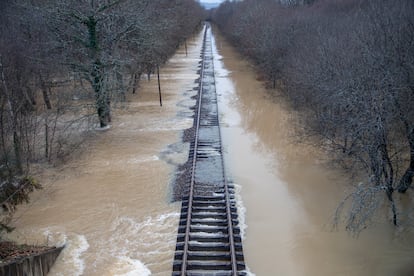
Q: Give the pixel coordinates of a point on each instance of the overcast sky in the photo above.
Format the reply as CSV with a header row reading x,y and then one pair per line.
x,y
211,1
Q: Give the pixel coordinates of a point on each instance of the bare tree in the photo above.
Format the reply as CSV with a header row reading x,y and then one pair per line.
x,y
347,67
49,49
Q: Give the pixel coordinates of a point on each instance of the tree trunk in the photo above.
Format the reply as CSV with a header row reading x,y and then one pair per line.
x,y
46,138
4,132
104,117
135,82
120,85
159,84
102,99
45,94
17,152
407,179
389,192
387,172
46,98
102,105
29,95
13,119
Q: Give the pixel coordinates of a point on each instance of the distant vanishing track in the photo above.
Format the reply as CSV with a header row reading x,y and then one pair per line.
x,y
208,239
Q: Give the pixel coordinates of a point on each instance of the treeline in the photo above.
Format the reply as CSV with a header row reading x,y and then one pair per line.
x,y
347,67
61,61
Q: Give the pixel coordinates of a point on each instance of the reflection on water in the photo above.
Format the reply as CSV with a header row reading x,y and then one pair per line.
x,y
289,196
111,207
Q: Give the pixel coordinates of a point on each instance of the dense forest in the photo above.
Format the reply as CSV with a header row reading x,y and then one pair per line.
x,y
62,65
347,68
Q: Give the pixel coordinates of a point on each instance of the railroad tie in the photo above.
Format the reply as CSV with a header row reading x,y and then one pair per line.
x,y
208,238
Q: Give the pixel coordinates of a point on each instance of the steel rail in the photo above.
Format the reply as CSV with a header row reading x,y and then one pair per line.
x,y
227,198
227,194
191,194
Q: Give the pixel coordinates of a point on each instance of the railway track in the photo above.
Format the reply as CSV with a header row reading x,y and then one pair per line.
x,y
208,238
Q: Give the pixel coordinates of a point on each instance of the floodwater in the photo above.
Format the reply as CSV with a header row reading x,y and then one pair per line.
x,y
111,205
288,194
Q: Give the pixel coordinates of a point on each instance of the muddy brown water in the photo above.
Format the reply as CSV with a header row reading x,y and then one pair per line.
x,y
112,206
289,194
112,209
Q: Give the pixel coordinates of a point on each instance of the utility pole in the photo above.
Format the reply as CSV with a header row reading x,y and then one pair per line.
x,y
159,84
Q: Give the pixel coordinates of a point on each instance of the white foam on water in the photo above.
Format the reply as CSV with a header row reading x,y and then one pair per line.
x,y
55,238
241,210
126,266
71,257
150,240
98,128
171,125
143,160
248,272
122,161
146,224
70,261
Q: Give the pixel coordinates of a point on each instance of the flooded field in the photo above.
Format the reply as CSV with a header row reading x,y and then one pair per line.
x,y
288,194
111,206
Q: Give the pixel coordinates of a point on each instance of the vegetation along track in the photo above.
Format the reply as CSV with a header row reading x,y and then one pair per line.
x,y
208,240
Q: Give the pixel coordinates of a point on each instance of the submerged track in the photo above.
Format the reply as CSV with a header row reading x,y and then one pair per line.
x,y
208,239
